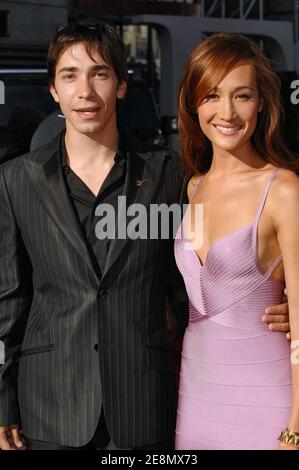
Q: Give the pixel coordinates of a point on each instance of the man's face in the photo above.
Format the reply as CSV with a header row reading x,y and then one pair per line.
x,y
86,91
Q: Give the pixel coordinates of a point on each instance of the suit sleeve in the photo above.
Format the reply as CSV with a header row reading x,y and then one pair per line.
x,y
177,297
176,292
15,301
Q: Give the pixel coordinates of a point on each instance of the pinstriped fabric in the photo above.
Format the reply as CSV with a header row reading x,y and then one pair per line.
x,y
54,309
235,386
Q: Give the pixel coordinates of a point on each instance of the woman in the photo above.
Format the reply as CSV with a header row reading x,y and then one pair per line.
x,y
238,387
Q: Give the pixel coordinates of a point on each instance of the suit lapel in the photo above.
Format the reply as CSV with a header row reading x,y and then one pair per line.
x,y
143,178
45,172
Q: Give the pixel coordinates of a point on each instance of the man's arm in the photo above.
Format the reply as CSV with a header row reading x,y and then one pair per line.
x,y
277,317
177,311
177,299
15,301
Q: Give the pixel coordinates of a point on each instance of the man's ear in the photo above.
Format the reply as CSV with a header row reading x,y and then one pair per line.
x,y
54,93
261,105
121,90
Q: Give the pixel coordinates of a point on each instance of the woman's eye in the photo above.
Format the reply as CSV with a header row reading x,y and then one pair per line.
x,y
212,96
243,97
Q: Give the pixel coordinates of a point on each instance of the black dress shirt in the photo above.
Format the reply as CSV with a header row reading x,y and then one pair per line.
x,y
85,202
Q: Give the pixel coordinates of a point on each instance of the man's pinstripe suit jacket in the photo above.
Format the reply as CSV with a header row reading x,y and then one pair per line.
x,y
74,340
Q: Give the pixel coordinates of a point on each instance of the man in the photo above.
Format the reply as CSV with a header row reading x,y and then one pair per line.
x,y
87,353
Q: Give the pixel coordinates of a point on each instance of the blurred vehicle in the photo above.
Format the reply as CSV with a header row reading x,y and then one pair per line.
x,y
24,89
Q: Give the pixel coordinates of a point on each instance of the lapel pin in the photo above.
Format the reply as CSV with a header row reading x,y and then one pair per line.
x,y
140,183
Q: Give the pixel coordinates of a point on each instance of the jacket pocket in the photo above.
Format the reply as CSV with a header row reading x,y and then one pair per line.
x,y
37,350
160,359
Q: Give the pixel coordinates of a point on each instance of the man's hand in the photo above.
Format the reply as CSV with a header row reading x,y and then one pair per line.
x,y
277,317
11,438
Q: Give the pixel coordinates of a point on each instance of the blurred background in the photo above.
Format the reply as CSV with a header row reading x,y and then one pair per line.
x,y
159,35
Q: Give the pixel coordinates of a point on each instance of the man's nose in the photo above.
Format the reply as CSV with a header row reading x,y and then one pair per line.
x,y
85,88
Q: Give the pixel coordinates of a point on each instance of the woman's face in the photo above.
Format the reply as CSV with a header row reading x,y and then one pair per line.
x,y
228,115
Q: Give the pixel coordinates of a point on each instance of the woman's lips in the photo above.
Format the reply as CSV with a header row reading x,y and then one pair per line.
x,y
227,130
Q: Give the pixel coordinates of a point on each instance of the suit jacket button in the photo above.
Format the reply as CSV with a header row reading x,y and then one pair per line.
x,y
96,347
104,294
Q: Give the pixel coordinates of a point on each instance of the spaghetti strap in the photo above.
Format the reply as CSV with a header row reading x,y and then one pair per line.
x,y
264,197
196,186
255,226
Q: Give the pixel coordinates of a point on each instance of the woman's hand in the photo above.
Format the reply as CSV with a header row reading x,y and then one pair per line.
x,y
283,446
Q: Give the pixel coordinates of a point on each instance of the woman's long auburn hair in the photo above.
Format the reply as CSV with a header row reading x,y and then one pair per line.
x,y
207,66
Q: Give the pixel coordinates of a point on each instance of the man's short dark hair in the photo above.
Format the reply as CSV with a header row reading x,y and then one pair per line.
x,y
97,36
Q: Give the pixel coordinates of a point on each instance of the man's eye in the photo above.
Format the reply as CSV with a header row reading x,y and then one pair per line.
x,y
101,75
68,76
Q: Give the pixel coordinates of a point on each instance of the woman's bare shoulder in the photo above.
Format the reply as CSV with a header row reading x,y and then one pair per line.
x,y
285,184
284,194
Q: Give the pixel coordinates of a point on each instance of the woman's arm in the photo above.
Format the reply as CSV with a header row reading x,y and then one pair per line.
x,y
285,208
